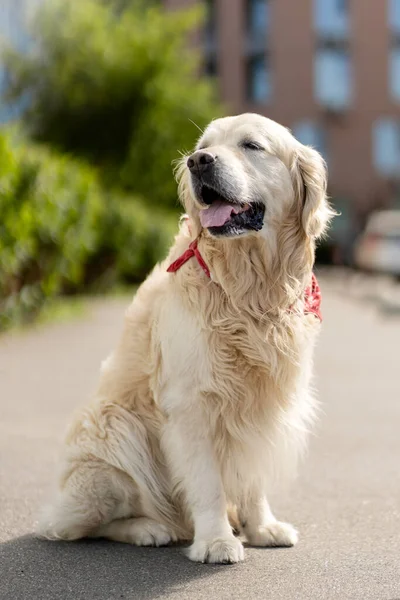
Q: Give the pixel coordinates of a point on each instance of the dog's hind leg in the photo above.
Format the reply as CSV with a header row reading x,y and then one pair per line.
x,y
93,494
140,531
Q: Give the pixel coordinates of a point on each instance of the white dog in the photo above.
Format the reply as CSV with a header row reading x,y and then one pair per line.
x,y
207,397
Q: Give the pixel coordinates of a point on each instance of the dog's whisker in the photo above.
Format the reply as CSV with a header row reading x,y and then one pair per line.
x,y
198,127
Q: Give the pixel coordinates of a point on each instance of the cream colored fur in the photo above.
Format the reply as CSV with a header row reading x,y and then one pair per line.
x,y
206,401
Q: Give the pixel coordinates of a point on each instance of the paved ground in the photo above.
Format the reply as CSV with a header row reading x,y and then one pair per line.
x,y
346,502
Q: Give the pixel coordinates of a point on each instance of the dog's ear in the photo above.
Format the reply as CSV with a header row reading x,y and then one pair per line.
x,y
310,181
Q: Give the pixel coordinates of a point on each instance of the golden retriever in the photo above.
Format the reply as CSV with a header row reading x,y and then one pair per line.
x,y
206,399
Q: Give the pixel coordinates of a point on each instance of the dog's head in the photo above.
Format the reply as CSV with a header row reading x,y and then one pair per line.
x,y
248,174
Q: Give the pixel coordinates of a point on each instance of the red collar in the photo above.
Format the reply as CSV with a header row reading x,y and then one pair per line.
x,y
312,293
191,251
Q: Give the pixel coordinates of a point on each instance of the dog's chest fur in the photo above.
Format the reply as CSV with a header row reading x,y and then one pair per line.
x,y
250,367
259,398
246,371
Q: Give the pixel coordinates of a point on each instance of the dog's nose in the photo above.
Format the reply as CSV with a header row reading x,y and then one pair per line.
x,y
200,161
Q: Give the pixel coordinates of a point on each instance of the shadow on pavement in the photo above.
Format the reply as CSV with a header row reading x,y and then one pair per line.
x,y
92,569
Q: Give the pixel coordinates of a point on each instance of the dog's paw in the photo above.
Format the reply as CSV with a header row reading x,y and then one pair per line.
x,y
276,534
145,532
218,551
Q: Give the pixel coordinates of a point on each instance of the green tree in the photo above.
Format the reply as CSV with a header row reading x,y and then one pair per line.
x,y
118,84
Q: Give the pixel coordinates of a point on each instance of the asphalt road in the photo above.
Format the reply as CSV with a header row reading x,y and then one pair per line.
x,y
345,503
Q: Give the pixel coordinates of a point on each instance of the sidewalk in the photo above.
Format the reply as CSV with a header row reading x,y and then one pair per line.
x,y
345,503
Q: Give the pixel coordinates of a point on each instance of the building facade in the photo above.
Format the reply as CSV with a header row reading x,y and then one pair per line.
x,y
329,70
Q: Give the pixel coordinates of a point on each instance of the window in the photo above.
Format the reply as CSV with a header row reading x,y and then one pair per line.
x,y
210,41
332,70
333,78
257,18
331,18
394,55
259,84
394,16
386,146
394,72
209,29
258,69
312,134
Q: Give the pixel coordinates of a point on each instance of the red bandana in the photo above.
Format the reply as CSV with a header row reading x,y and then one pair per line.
x,y
312,294
312,299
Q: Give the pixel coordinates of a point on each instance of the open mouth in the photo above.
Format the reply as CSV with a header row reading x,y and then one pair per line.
x,y
223,217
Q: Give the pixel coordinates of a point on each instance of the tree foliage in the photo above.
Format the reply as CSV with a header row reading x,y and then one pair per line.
x,y
117,84
62,232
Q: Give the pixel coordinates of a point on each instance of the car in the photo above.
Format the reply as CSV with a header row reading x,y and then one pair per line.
x,y
378,247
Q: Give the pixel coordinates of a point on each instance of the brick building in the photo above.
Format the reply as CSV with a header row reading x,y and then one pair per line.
x,y
328,69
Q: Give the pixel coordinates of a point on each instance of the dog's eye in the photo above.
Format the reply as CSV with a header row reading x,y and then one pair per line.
x,y
251,145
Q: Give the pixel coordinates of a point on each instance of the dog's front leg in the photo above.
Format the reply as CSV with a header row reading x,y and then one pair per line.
x,y
193,465
260,526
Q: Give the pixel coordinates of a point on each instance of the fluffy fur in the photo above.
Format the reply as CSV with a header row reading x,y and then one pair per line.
x,y
206,400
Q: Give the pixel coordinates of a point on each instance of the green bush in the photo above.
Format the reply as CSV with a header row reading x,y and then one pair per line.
x,y
61,232
117,84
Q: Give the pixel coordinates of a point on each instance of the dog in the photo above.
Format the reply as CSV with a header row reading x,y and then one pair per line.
x,y
207,399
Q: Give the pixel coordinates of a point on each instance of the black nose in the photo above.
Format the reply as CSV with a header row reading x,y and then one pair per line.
x,y
200,161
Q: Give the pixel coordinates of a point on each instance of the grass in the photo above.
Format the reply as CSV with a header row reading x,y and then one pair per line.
x,y
63,309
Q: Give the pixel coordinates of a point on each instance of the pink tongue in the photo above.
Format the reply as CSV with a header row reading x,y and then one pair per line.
x,y
216,215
